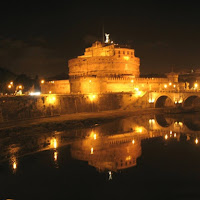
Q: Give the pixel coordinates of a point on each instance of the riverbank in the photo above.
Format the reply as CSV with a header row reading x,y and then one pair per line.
x,y
69,121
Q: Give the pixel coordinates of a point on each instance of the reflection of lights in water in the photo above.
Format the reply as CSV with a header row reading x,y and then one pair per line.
x,y
166,137
196,141
93,135
91,150
14,165
55,143
55,156
110,175
133,141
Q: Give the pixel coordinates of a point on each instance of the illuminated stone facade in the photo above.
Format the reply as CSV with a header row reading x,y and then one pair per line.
x,y
109,68
101,64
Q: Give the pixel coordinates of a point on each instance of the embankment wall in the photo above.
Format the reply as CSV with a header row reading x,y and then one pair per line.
x,y
29,107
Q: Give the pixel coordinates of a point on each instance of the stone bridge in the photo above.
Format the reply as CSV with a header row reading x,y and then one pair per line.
x,y
185,98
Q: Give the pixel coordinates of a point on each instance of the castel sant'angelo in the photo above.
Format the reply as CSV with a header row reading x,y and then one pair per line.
x,y
107,67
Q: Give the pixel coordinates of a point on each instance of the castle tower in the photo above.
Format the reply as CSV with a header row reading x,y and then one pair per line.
x,y
101,61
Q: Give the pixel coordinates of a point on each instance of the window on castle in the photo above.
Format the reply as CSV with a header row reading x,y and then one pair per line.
x,y
123,52
119,52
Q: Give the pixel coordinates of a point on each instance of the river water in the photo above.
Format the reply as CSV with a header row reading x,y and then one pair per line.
x,y
143,157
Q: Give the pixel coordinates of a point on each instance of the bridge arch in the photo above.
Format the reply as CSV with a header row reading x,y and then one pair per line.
x,y
192,101
162,121
164,101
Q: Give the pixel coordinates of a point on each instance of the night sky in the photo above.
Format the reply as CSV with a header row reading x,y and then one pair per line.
x,y
39,38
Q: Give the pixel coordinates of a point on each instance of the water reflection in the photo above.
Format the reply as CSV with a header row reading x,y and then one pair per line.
x,y
112,153
110,147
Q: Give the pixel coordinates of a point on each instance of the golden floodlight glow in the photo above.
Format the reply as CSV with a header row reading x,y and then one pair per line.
x,y
138,129
42,81
175,135
128,158
50,92
20,86
51,99
132,81
9,86
165,86
180,101
90,81
151,121
151,100
196,141
174,86
126,57
166,137
133,141
170,83
196,85
91,150
92,97
55,143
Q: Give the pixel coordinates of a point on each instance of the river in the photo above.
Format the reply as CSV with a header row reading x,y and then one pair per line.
x,y
140,157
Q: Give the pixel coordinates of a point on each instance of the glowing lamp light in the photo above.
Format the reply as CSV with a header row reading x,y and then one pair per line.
x,y
92,97
133,141
92,150
196,141
51,99
165,86
196,85
166,137
132,81
126,58
170,83
175,135
174,86
138,129
180,101
35,93
50,92
20,86
128,158
9,86
42,81
90,81
151,100
151,121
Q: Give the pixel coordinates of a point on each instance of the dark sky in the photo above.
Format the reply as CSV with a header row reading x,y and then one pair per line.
x,y
39,38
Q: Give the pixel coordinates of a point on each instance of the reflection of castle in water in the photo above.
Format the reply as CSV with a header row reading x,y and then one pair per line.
x,y
113,146
108,153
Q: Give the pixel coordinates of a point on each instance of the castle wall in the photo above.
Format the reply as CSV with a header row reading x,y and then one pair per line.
x,y
29,107
55,87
